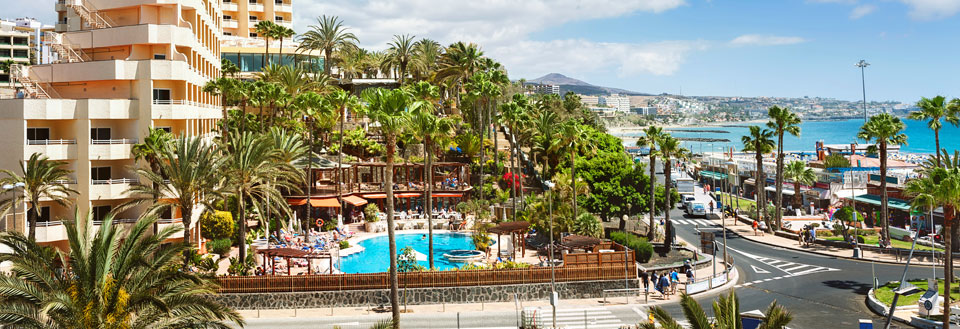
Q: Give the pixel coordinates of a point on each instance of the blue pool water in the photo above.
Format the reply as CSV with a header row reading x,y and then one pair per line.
x,y
376,255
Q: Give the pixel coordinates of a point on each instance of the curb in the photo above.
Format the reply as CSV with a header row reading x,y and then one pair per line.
x,y
815,252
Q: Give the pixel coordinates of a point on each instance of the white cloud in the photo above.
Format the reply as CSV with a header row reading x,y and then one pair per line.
x,y
765,40
932,9
862,10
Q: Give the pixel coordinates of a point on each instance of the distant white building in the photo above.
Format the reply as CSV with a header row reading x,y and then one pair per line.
x,y
546,89
645,110
590,100
619,103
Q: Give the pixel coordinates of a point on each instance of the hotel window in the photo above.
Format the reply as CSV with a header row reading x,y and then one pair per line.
x,y
100,213
279,2
167,213
227,17
160,56
44,214
169,130
278,18
252,18
253,34
161,96
253,1
20,53
38,134
100,133
227,33
100,173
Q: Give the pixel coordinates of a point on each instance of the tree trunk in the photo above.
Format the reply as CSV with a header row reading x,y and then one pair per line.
x,y
778,211
31,219
483,153
428,180
936,138
394,293
653,195
241,214
343,114
327,61
883,190
762,193
667,171
573,183
948,214
797,197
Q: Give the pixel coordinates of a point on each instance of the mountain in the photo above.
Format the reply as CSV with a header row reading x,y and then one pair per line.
x,y
580,87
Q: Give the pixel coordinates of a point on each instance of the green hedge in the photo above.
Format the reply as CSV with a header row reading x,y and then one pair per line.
x,y
642,248
219,246
216,225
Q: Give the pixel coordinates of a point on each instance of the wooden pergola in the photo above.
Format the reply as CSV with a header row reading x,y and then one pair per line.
x,y
515,229
579,242
288,253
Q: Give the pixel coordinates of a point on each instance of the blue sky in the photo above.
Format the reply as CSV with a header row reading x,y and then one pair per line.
x,y
718,47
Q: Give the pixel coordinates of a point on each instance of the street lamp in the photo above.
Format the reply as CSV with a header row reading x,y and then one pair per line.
x,y
14,187
862,64
553,279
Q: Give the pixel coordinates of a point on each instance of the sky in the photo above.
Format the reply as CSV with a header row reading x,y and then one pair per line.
x,y
789,48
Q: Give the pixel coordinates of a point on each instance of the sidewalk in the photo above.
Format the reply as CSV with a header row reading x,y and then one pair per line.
x,y
745,231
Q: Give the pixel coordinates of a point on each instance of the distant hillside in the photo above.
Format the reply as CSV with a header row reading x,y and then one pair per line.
x,y
580,87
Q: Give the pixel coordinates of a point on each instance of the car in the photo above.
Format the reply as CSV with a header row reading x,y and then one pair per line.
x,y
697,209
686,201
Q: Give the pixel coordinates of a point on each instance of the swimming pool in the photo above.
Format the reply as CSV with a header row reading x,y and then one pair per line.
x,y
376,254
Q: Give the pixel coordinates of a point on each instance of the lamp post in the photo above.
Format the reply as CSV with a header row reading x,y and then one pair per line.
x,y
862,64
553,290
14,187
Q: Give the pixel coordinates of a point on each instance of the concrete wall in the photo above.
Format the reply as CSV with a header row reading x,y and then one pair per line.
x,y
487,294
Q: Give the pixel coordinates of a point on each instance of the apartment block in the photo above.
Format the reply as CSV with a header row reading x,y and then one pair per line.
x,y
240,17
20,42
124,67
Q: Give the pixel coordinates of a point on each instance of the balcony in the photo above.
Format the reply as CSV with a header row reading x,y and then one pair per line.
x,y
110,189
285,23
230,23
176,222
228,6
255,7
283,8
111,149
51,231
55,149
178,109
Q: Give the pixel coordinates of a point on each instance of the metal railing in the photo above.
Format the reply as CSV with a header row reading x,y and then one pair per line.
x,y
117,221
113,141
114,181
51,141
64,181
50,223
183,102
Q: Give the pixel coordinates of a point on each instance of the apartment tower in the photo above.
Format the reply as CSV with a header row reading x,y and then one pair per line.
x,y
125,66
240,17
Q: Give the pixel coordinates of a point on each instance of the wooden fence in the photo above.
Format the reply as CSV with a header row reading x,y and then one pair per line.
x,y
338,282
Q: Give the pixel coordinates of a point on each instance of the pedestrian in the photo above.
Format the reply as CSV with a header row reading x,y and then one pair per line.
x,y
754,227
645,278
711,206
763,227
664,284
689,273
674,279
656,281
800,237
686,265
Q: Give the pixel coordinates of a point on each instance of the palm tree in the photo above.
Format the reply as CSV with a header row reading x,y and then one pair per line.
x,y
41,178
883,129
228,68
329,36
760,141
515,115
401,52
782,121
459,63
939,184
290,149
933,110
187,177
311,107
430,128
148,151
389,109
340,100
670,149
108,279
282,32
726,311
227,89
574,138
266,30
426,56
651,138
800,174
255,173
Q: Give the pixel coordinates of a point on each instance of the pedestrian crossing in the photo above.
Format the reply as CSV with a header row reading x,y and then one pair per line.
x,y
791,269
694,222
581,318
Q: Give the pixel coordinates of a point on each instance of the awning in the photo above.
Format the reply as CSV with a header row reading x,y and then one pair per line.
x,y
448,195
375,196
395,195
316,203
875,200
712,175
296,202
355,200
406,195
785,191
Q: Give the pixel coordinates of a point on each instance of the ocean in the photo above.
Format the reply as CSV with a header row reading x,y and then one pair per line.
x,y
919,137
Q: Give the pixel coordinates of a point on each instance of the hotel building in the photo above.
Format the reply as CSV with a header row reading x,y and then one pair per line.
x,y
124,67
20,43
240,17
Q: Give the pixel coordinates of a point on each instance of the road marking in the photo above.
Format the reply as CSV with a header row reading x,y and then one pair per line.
x,y
795,268
639,312
596,318
759,270
680,221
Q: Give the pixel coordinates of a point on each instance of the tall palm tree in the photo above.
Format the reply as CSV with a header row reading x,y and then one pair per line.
x,y
883,129
426,57
760,141
670,149
330,36
227,89
515,114
651,138
390,109
939,185
108,279
459,62
41,178
430,128
281,33
267,31
149,151
726,311
187,178
341,101
311,108
934,110
290,149
401,52
782,121
255,173
228,68
575,138
800,174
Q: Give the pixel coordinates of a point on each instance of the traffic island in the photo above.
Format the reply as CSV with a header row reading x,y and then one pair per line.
x,y
910,308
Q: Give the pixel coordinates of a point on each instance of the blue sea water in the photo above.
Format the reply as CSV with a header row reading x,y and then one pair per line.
x,y
919,137
376,255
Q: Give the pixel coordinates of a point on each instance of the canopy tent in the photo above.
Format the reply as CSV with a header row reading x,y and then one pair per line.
x,y
713,175
287,253
354,200
519,228
894,203
316,203
584,242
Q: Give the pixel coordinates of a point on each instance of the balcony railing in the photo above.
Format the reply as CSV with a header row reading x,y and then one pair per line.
x,y
114,181
50,223
117,221
182,102
51,141
113,141
64,181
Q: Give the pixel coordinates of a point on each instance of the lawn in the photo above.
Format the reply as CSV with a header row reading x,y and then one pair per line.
x,y
873,239
885,293
744,203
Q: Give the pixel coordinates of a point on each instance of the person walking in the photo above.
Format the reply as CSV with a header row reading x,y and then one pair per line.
x,y
674,279
645,278
711,206
762,228
664,284
754,227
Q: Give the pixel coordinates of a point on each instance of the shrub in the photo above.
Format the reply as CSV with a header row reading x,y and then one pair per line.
x,y
344,244
370,213
216,225
642,248
219,246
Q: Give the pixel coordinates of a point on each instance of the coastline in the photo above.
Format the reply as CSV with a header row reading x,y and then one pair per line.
x,y
621,130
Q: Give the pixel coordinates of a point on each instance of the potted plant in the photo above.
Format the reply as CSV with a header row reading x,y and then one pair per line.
x,y
370,217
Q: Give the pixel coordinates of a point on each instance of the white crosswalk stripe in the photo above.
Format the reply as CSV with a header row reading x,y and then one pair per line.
x,y
695,222
583,318
790,268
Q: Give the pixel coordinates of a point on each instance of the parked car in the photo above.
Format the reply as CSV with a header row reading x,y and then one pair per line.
x,y
686,201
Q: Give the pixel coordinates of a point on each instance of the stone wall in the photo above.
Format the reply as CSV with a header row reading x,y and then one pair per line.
x,y
477,294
